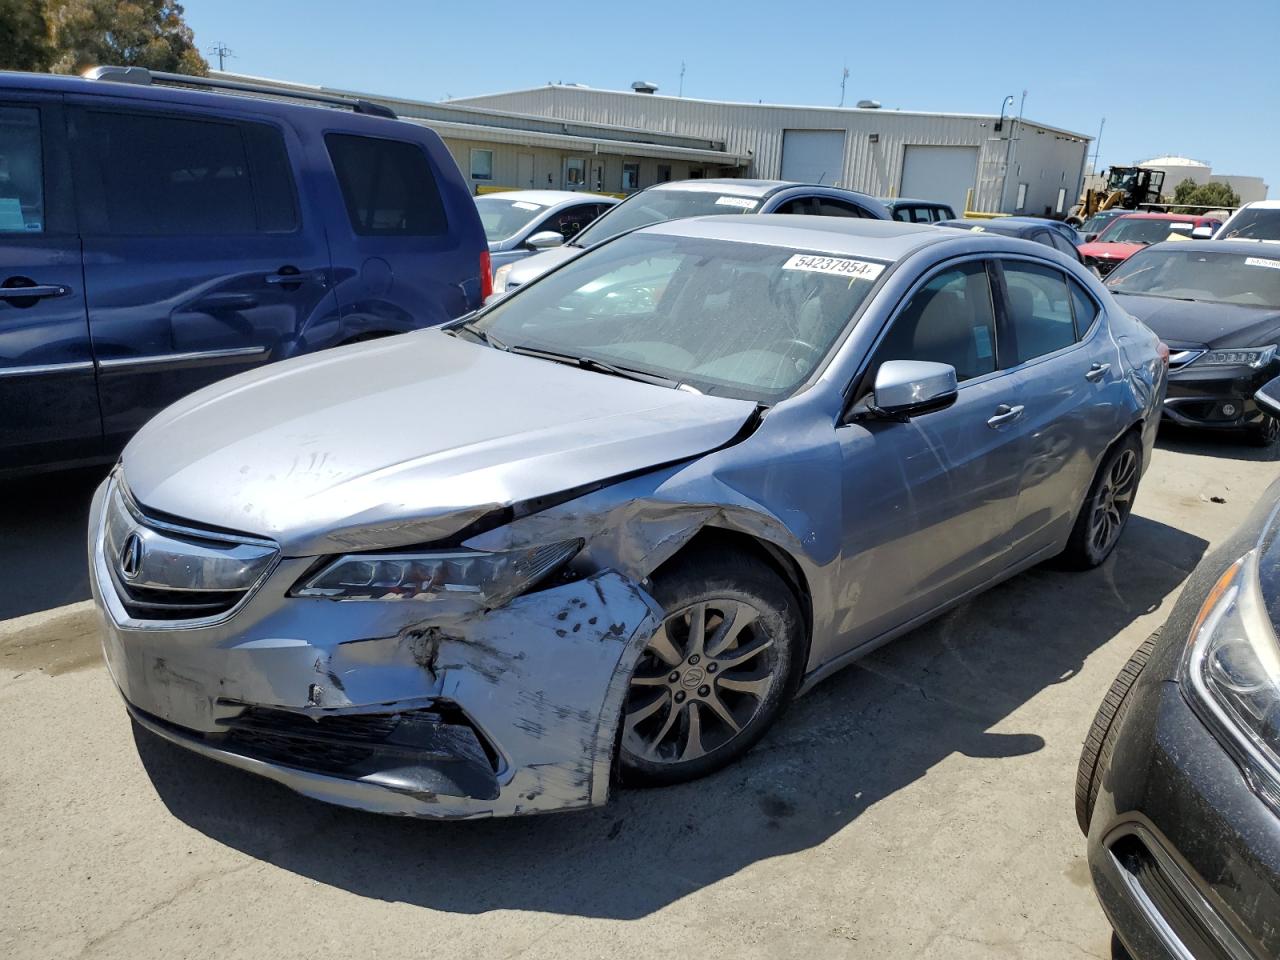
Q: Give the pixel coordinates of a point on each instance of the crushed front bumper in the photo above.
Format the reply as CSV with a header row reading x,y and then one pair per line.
x,y
390,706
1220,399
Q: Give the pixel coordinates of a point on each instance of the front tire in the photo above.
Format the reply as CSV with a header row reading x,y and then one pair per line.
x,y
1107,506
717,672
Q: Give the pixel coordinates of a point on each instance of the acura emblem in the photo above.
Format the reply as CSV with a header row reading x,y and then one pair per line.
x,y
131,557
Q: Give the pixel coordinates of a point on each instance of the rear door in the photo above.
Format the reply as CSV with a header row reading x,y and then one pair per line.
x,y
48,392
198,262
1064,366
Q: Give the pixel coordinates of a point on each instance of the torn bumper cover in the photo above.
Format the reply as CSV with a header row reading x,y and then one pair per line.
x,y
388,706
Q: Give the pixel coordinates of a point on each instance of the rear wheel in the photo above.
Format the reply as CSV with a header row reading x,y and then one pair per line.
x,y
1095,756
715,675
1106,509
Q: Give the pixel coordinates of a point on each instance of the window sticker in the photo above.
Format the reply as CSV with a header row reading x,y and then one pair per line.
x,y
853,269
526,205
1262,262
982,342
743,202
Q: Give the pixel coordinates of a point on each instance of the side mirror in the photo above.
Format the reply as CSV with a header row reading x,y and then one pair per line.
x,y
1090,237
1268,397
1204,232
906,389
544,240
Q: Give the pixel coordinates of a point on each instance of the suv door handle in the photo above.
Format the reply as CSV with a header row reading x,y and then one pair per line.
x,y
293,276
1004,414
1097,371
35,292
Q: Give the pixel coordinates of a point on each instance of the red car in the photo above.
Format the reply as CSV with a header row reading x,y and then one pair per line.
x,y
1125,236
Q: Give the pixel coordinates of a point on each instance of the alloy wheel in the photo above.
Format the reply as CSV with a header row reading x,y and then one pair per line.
x,y
1112,502
701,680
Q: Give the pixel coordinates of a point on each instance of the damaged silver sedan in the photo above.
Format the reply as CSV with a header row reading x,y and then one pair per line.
x,y
610,525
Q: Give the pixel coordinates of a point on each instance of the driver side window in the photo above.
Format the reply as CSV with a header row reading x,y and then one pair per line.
x,y
948,320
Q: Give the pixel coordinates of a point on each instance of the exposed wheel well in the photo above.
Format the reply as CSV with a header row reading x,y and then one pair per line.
x,y
719,540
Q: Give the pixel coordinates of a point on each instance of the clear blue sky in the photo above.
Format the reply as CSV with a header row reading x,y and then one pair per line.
x,y
1193,78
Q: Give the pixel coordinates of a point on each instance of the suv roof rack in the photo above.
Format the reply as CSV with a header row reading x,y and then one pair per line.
x,y
145,77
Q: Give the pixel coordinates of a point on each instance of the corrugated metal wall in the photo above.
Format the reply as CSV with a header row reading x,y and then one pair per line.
x,y
873,146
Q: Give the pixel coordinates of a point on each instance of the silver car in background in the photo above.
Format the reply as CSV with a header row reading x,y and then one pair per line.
x,y
520,223
617,520
696,198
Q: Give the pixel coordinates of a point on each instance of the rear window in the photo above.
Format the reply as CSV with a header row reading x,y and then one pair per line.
x,y
388,187
154,175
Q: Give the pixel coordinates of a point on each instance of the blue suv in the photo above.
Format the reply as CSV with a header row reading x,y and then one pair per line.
x,y
156,236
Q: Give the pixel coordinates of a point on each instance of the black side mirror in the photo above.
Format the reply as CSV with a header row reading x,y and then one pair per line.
x,y
1090,237
906,389
1268,397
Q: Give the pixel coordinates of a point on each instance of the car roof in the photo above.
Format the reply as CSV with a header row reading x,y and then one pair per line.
x,y
1179,217
1262,205
993,225
1243,248
908,201
547,198
748,188
850,236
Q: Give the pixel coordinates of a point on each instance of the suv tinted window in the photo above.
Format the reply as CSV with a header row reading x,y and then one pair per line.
x,y
1040,318
147,174
21,176
388,187
948,320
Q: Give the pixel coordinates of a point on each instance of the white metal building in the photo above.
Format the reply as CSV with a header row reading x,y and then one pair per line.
x,y
1176,169
1026,167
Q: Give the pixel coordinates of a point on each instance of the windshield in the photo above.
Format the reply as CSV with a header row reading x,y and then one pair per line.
x,y
1253,224
1098,222
735,319
503,217
1145,230
653,206
1200,275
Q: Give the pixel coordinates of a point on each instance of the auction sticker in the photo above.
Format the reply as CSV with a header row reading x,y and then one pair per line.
x,y
1262,262
743,202
854,269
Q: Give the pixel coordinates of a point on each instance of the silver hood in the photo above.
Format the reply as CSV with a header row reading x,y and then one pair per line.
x,y
531,268
405,440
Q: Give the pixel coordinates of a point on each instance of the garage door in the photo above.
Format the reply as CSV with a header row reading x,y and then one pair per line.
x,y
813,156
944,174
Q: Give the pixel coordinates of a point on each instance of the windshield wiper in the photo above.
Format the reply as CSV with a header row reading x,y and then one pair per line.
x,y
597,366
482,336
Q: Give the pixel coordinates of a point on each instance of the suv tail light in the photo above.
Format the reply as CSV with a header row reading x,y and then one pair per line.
x,y
486,275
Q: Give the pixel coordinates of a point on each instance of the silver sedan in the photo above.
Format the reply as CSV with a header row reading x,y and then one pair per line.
x,y
616,521
520,223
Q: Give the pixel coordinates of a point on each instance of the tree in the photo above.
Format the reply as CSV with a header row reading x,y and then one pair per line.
x,y
1211,194
142,33
24,41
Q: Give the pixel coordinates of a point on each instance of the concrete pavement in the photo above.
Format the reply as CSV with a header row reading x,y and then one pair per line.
x,y
917,805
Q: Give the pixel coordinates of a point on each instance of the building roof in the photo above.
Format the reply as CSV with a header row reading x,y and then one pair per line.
x,y
582,89
1172,161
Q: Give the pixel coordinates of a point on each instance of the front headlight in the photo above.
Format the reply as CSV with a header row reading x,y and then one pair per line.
x,y
1232,668
1254,357
500,277
484,578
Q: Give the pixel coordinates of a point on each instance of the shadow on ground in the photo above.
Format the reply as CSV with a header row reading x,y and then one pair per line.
x,y
859,737
43,520
1214,443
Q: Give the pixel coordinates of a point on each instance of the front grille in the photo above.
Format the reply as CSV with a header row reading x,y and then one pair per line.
x,y
167,572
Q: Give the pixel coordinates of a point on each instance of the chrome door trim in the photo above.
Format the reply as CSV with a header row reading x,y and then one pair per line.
x,y
151,360
73,366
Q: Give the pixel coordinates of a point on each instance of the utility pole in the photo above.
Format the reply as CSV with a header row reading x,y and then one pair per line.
x,y
1012,153
844,77
681,93
222,52
1097,146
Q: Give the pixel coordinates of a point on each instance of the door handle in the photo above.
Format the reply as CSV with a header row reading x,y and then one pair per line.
x,y
287,276
1004,414
38,291
1097,371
